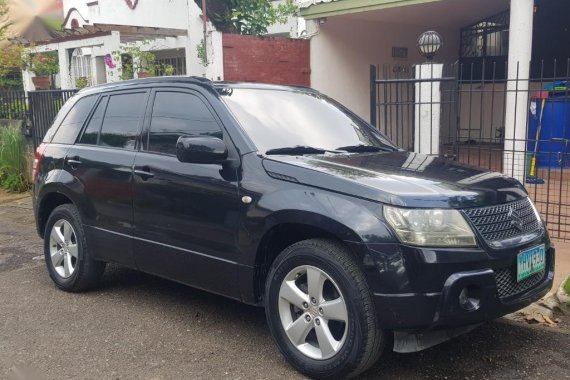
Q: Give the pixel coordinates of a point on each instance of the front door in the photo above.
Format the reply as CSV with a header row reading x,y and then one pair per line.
x,y
185,215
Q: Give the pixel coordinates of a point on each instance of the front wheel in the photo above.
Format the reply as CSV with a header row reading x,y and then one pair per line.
x,y
320,311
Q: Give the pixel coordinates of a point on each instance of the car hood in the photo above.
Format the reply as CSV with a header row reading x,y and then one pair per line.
x,y
399,178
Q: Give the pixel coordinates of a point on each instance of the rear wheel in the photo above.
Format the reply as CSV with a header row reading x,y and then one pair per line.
x,y
320,311
65,249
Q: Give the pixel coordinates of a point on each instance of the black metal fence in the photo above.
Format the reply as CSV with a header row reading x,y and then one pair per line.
x,y
13,105
475,114
44,106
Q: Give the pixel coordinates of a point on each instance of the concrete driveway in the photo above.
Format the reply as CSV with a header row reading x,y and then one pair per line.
x,y
137,326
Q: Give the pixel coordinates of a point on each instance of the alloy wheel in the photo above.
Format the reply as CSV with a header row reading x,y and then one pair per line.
x,y
63,248
313,312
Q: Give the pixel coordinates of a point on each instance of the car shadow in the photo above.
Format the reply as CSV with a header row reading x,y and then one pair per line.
x,y
495,350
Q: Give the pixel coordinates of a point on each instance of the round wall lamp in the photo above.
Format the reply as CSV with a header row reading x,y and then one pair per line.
x,y
429,43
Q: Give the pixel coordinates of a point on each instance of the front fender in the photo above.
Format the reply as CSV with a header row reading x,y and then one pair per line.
x,y
355,221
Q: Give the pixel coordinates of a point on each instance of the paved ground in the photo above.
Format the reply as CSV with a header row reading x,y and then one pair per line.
x,y
140,327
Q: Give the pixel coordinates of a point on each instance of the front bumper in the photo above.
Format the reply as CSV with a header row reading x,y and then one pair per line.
x,y
442,308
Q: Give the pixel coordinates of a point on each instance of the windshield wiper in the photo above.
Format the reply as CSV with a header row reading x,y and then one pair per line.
x,y
299,149
364,148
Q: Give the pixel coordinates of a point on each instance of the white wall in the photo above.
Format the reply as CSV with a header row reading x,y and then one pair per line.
x,y
79,5
344,47
155,13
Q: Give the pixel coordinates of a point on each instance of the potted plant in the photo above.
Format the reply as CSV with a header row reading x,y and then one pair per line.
x,y
168,70
81,82
44,66
135,62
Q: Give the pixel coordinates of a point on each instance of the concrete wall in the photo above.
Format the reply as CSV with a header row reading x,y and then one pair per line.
x,y
343,48
482,112
267,60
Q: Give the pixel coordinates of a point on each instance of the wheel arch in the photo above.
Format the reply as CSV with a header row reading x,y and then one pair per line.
x,y
49,200
288,228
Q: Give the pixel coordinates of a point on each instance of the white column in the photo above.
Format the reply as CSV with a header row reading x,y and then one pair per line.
x,y
64,66
516,112
111,45
27,80
215,68
194,65
427,113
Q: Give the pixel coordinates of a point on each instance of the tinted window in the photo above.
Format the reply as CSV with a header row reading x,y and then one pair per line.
x,y
91,132
175,114
121,122
58,118
73,121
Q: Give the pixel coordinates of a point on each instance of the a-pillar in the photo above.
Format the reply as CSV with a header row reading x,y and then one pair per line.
x,y
516,110
427,108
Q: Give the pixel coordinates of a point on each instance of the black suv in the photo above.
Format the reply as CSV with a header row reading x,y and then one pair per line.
x,y
282,198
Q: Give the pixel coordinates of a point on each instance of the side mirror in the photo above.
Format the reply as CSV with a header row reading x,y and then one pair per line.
x,y
201,150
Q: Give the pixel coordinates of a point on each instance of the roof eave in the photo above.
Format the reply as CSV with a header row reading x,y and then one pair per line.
x,y
342,7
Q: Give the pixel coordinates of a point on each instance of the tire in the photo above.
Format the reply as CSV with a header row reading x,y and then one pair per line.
x,y
356,343
69,264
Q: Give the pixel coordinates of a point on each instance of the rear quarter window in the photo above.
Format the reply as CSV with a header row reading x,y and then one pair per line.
x,y
71,125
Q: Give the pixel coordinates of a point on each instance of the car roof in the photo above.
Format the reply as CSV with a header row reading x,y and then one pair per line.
x,y
203,82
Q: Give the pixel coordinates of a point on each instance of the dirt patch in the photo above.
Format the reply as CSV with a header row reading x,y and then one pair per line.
x,y
6,197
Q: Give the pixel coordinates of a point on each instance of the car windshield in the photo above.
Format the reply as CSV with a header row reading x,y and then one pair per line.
x,y
301,122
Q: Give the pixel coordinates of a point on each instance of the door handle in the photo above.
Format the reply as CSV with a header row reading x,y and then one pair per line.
x,y
73,162
144,173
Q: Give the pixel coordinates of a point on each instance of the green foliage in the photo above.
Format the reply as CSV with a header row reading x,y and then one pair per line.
x,y
12,82
11,62
54,23
13,160
44,64
81,82
14,110
248,16
168,70
201,50
567,286
135,61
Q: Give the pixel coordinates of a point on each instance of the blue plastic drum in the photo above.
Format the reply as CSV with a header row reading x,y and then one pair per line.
x,y
553,142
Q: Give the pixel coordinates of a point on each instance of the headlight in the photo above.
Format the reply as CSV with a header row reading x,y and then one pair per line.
x,y
431,228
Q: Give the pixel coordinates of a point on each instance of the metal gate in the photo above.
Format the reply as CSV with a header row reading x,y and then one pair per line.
x,y
393,104
44,106
472,107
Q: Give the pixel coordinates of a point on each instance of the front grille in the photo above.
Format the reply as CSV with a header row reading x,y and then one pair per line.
x,y
495,223
508,286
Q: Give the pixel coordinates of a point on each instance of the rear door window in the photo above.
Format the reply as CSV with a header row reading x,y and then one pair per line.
x,y
123,116
71,125
176,114
91,134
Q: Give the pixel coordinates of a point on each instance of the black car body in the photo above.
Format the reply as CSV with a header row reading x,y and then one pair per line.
x,y
219,224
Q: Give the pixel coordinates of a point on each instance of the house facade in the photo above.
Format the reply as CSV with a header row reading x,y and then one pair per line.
x,y
497,94
501,53
96,32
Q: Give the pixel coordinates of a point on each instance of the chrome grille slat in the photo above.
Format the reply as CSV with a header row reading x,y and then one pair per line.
x,y
494,224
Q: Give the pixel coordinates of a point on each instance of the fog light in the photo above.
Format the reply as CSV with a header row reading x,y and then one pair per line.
x,y
469,298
